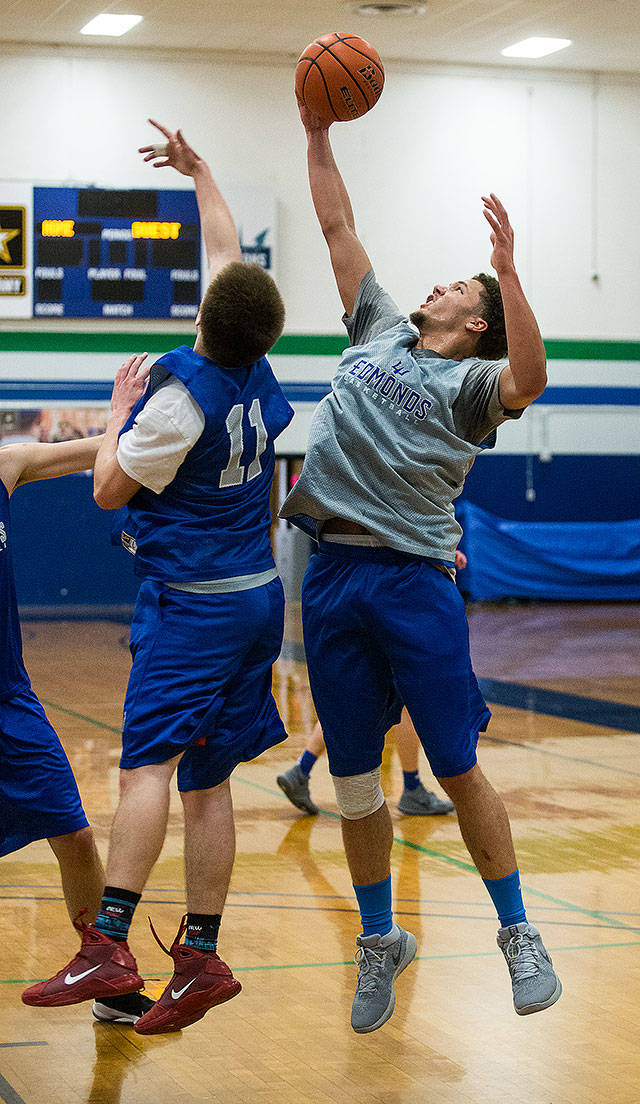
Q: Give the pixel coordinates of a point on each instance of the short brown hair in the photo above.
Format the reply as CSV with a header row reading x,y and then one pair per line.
x,y
241,315
492,343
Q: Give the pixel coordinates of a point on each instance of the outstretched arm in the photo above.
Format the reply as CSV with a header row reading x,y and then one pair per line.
x,y
524,378
218,228
112,487
24,463
333,208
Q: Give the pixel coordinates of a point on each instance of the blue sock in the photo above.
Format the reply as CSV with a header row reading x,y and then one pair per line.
x,y
374,902
306,761
411,779
116,912
507,897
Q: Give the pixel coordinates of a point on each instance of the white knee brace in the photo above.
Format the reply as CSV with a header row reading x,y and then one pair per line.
x,y
359,795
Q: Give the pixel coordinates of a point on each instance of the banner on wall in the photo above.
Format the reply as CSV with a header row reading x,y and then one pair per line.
x,y
68,252
16,277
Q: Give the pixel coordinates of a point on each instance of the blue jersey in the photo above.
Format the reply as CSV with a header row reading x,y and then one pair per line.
x,y
13,676
213,520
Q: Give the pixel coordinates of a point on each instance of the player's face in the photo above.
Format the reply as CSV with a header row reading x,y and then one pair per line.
x,y
448,303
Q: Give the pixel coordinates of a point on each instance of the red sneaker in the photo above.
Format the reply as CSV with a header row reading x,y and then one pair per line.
x,y
200,981
101,968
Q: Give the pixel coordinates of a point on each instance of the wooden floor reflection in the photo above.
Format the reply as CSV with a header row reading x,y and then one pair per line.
x,y
571,788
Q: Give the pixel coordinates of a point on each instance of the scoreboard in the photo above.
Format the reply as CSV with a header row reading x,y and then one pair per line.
x,y
108,253
89,252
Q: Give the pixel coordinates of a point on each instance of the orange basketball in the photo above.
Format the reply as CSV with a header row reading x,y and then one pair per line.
x,y
339,77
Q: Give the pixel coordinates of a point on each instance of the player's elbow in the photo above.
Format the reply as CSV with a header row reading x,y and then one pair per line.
x,y
107,497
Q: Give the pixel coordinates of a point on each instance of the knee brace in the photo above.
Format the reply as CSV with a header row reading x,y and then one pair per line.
x,y
359,795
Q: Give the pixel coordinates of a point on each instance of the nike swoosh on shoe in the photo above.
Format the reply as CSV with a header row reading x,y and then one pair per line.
x,y
71,979
176,996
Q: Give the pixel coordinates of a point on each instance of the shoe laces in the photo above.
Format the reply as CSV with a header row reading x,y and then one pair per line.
x,y
523,956
183,924
370,963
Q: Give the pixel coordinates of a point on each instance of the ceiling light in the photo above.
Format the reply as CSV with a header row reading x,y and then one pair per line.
x,y
389,9
536,47
114,25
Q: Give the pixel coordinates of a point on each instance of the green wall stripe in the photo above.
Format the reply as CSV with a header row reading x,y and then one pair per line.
x,y
64,341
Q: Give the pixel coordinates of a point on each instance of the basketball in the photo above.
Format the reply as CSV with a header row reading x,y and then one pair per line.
x,y
339,77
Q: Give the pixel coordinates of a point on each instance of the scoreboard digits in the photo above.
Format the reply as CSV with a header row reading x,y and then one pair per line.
x,y
109,253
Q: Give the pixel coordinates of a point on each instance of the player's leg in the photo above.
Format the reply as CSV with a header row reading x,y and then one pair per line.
x,y
415,799
241,722
448,711
356,702
294,782
81,871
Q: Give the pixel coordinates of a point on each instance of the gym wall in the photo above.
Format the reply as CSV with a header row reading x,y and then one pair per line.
x,y
561,150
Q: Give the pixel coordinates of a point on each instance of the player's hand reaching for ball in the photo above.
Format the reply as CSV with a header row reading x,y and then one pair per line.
x,y
175,153
130,383
501,233
310,120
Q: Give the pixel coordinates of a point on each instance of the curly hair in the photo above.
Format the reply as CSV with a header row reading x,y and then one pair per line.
x,y
492,343
241,315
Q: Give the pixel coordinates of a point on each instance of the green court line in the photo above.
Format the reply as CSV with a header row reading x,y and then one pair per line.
x,y
459,863
468,867
350,962
81,717
68,341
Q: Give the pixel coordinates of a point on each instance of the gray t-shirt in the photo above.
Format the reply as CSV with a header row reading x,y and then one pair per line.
x,y
392,443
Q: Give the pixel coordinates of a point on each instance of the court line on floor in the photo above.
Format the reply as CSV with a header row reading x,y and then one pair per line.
x,y
39,1042
558,703
348,908
311,896
469,867
8,1093
271,966
460,864
524,745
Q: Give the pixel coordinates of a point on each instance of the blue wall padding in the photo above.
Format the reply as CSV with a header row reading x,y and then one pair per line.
x,y
61,541
579,561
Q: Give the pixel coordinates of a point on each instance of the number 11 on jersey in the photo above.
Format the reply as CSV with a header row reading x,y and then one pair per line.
x,y
234,473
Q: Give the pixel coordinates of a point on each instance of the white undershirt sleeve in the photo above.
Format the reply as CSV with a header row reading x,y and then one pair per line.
x,y
163,433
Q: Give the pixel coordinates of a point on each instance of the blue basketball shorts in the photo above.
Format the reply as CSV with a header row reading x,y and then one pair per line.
x,y
381,630
200,683
39,797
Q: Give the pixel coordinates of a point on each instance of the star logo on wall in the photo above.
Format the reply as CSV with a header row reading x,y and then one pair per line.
x,y
5,237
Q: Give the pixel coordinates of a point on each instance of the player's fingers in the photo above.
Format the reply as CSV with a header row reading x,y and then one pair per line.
x,y
145,149
500,208
491,220
162,164
161,128
150,156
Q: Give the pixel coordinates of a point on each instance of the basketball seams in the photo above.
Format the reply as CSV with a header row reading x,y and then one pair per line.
x,y
361,52
353,78
321,48
312,62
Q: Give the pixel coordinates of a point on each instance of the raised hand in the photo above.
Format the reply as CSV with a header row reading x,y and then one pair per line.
x,y
129,384
310,120
175,153
501,233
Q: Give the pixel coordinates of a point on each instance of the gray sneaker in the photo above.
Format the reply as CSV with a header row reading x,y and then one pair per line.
x,y
421,802
295,785
380,960
533,979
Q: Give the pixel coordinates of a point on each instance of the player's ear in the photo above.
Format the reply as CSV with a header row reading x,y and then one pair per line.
x,y
476,325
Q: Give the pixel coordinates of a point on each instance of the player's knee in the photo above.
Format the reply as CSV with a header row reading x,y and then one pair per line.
x,y
359,795
78,847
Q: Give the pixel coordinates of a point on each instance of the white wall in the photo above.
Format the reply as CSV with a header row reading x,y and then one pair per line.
x,y
562,152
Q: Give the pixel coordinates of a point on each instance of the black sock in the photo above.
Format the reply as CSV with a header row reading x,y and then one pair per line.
x,y
116,912
202,931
